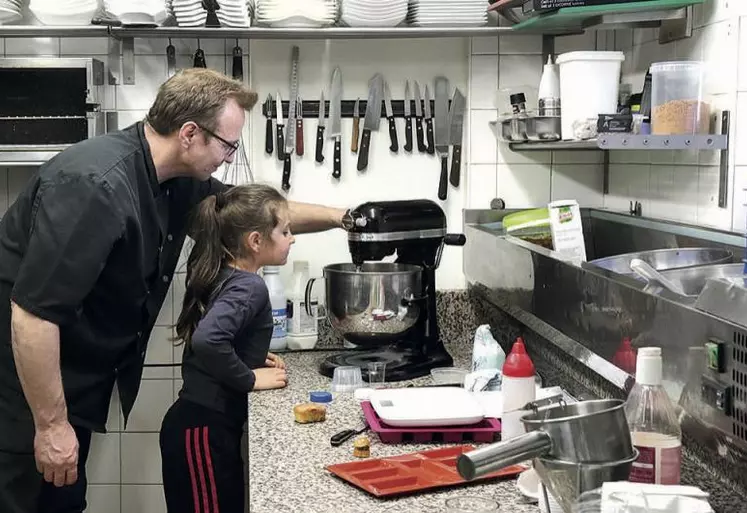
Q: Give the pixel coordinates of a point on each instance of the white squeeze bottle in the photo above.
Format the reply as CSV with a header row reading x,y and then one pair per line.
x,y
653,424
302,327
278,302
517,388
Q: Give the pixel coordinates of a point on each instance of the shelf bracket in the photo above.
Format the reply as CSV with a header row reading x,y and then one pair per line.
x,y
115,69
679,28
128,60
606,172
723,175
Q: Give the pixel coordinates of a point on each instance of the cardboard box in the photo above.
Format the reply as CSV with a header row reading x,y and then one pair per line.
x,y
567,230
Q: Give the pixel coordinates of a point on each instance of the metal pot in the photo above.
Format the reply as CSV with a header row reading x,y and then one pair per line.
x,y
663,259
372,304
692,281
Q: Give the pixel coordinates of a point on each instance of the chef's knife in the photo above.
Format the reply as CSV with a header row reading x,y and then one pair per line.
x,y
268,125
394,146
456,123
320,130
419,118
428,122
335,120
279,125
290,139
356,126
442,131
372,119
299,127
237,69
408,117
170,59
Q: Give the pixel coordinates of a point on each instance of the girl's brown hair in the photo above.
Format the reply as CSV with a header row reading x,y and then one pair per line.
x,y
219,226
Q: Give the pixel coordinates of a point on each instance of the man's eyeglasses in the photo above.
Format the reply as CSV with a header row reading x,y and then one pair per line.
x,y
231,147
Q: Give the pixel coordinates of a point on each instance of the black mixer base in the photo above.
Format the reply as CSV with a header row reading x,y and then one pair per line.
x,y
401,363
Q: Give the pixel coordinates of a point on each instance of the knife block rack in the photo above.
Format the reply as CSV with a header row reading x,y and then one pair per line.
x,y
311,108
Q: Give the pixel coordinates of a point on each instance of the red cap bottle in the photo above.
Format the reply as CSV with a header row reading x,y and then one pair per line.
x,y
625,357
518,364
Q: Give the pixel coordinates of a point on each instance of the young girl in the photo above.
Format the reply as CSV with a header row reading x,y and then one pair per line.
x,y
226,326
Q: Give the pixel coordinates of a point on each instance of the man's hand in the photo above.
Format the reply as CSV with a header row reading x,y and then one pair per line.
x,y
274,360
56,453
269,378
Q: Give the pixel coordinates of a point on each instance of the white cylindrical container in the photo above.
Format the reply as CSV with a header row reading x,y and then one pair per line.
x,y
518,389
279,304
302,327
589,86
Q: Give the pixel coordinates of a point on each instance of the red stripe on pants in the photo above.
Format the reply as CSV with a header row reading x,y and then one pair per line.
x,y
200,471
209,464
192,477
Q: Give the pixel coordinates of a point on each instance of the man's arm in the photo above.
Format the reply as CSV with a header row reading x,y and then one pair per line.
x,y
308,217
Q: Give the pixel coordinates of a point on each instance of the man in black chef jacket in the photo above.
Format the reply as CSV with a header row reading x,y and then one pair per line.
x,y
87,253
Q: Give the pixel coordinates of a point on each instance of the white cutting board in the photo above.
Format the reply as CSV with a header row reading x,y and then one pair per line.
x,y
420,407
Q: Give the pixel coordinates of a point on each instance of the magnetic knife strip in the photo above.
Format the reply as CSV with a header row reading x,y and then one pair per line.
x,y
311,108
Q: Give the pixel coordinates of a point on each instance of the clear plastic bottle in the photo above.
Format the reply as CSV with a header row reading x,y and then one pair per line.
x,y
653,424
279,303
303,332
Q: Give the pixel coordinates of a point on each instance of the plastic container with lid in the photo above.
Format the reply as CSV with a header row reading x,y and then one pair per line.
x,y
677,106
303,332
321,397
518,389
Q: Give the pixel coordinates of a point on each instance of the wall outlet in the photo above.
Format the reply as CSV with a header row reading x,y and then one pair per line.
x,y
715,394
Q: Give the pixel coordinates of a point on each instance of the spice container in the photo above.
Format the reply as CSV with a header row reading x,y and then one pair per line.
x,y
677,106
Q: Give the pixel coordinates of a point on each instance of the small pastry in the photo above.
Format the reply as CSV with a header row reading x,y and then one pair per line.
x,y
362,447
306,413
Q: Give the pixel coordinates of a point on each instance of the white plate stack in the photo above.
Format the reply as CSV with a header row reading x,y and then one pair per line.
x,y
448,13
364,13
138,12
233,13
64,12
189,13
294,13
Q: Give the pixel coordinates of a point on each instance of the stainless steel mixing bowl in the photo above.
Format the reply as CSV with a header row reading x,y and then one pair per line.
x,y
662,259
365,305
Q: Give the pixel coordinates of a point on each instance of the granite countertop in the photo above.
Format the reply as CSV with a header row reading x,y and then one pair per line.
x,y
287,460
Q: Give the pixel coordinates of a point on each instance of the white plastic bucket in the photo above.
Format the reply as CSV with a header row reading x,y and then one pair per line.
x,y
589,85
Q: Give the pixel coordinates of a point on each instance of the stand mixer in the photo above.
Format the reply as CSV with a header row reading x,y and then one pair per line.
x,y
390,306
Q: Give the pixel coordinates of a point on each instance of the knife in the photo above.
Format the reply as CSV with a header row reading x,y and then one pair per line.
x,y
268,125
356,125
408,118
299,127
320,130
335,120
372,119
394,146
456,123
442,131
428,122
279,125
290,140
419,118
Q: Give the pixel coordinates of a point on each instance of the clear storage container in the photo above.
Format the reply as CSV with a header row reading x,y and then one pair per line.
x,y
677,105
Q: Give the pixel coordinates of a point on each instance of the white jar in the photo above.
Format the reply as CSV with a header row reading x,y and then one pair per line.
x,y
279,304
303,332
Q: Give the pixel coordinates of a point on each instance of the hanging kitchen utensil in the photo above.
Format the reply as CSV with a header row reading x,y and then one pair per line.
x,y
299,127
199,60
279,143
290,140
419,118
268,125
394,146
408,118
211,6
320,130
238,172
335,120
429,122
456,124
356,126
372,119
170,59
237,69
442,131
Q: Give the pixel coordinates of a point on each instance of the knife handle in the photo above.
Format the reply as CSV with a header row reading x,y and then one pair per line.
x,y
237,70
299,137
363,155
419,128
356,135
408,133
320,144
429,131
456,162
286,171
279,142
268,136
443,180
394,147
337,159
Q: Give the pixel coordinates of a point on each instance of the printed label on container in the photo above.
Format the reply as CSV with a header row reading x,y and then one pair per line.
x,y
279,323
657,465
301,323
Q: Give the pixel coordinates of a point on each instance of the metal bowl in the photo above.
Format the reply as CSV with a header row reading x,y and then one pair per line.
x,y
365,305
663,259
692,281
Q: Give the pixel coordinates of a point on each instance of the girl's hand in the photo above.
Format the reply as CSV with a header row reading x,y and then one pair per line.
x,y
274,360
268,379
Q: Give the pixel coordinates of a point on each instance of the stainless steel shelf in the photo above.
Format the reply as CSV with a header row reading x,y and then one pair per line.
x,y
632,142
554,145
53,31
32,156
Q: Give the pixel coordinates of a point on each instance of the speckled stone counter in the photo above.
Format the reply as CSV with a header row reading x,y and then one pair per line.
x,y
287,460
